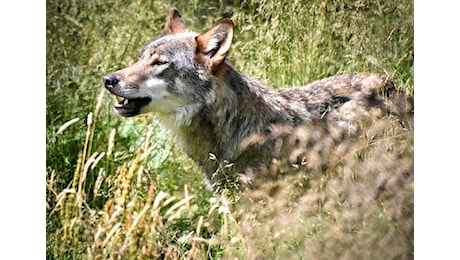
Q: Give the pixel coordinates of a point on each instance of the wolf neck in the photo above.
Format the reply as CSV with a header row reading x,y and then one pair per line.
x,y
241,106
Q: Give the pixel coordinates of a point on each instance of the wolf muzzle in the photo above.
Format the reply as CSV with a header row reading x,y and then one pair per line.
x,y
110,81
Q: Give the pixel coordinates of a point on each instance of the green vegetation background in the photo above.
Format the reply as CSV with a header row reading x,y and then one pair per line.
x,y
285,43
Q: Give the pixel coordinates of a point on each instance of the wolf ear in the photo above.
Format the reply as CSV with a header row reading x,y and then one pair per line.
x,y
174,23
214,44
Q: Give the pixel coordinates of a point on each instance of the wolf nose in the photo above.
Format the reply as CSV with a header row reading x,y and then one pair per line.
x,y
110,80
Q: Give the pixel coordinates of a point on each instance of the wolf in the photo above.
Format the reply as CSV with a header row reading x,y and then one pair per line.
x,y
233,125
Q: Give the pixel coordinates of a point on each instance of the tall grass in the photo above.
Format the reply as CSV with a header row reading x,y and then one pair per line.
x,y
120,188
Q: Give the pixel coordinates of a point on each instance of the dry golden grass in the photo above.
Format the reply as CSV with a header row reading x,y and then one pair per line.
x,y
352,201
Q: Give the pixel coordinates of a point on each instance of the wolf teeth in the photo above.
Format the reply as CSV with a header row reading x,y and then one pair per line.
x,y
123,101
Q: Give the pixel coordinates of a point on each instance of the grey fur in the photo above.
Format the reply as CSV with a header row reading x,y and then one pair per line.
x,y
211,108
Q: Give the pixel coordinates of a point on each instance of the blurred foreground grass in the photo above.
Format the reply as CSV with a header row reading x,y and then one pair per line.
x,y
118,187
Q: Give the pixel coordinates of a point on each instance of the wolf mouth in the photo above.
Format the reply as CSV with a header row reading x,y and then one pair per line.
x,y
130,106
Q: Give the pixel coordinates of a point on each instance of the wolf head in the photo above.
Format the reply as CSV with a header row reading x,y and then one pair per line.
x,y
173,74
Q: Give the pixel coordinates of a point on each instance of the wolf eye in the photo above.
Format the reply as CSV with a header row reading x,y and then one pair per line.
x,y
158,62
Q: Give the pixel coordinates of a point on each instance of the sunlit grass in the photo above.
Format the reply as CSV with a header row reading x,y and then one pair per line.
x,y
120,188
